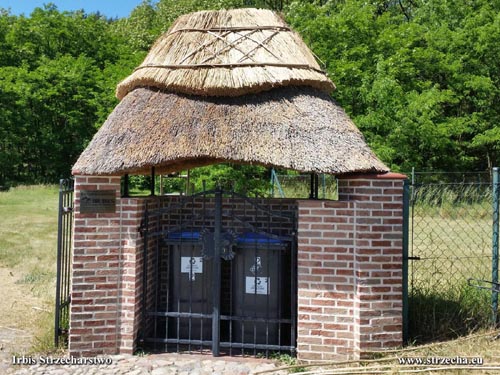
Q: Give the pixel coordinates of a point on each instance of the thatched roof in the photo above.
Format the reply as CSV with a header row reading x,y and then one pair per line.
x,y
227,53
298,128
260,98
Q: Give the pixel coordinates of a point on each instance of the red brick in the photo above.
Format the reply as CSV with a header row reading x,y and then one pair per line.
x,y
105,344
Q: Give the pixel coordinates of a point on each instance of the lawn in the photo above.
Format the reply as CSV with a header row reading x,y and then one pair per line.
x,y
450,239
28,233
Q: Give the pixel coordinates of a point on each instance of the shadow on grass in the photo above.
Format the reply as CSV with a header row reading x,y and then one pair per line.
x,y
435,316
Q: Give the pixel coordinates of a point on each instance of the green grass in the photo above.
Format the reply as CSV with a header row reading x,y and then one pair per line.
x,y
483,344
454,200
29,227
460,310
450,250
36,276
28,236
451,234
288,361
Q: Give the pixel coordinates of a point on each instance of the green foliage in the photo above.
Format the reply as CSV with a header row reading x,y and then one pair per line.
x,y
288,361
247,179
56,106
147,21
57,78
421,79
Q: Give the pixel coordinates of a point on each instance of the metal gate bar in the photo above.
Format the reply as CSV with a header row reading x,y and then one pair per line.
x,y
216,277
163,320
64,251
198,307
406,220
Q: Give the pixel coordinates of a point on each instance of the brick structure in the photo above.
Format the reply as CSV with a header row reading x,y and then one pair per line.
x,y
106,271
349,271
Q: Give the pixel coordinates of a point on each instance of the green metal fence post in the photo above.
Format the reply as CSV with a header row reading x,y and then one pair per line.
x,y
272,183
323,183
406,214
494,263
276,180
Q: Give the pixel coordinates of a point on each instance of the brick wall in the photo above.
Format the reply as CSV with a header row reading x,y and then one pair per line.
x,y
234,209
131,273
350,269
106,272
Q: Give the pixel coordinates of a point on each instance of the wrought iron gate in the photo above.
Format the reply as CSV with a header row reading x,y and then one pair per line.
x,y
64,251
219,274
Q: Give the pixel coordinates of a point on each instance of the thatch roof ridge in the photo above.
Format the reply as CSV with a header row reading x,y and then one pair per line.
x,y
294,128
227,53
226,19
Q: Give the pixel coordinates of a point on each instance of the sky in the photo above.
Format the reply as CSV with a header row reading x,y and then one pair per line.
x,y
110,8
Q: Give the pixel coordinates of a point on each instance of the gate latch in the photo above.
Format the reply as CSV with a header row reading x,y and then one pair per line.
x,y
228,241
413,258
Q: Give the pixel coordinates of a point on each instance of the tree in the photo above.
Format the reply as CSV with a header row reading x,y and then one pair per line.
x,y
58,79
421,82
13,131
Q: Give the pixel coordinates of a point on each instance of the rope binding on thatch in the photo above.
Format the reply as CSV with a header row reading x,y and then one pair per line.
x,y
227,53
267,103
235,65
234,28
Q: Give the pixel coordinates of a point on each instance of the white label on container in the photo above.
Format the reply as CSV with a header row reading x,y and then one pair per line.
x,y
255,269
192,266
257,285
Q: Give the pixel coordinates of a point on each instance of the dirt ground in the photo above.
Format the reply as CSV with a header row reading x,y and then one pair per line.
x,y
19,310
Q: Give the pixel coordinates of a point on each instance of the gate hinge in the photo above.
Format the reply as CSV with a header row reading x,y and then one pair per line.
x,y
413,258
141,228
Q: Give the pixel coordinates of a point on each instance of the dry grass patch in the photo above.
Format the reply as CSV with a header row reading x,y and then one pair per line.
x,y
28,233
484,345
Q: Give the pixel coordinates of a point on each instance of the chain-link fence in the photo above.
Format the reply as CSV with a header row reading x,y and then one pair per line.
x,y
299,186
450,241
279,185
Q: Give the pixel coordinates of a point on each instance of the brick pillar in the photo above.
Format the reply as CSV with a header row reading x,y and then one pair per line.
x,y
106,263
132,270
378,258
350,269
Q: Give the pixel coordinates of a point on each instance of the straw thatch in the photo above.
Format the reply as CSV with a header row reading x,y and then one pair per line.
x,y
297,128
227,53
291,123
